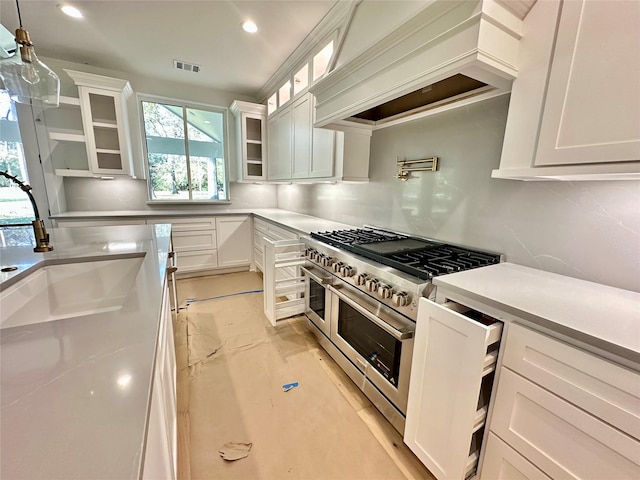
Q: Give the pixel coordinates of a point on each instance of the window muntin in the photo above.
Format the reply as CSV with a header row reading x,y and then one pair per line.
x,y
186,152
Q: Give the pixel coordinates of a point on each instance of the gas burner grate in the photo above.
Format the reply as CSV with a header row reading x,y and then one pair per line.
x,y
345,238
428,261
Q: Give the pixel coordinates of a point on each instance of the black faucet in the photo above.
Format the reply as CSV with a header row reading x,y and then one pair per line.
x,y
42,237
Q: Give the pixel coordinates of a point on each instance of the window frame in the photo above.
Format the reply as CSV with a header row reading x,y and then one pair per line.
x,y
185,104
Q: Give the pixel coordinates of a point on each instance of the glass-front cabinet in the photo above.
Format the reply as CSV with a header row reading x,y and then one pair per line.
x,y
99,126
251,133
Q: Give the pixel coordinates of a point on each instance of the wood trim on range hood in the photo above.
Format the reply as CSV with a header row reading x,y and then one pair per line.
x,y
446,40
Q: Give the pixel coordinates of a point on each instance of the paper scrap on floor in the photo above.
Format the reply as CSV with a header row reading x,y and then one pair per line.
x,y
231,451
288,386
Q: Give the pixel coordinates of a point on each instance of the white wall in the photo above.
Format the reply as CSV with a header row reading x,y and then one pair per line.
x,y
588,230
128,194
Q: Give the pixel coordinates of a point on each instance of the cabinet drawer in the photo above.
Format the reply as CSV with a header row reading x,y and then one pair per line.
x,y
258,256
193,240
560,439
501,462
257,239
187,224
608,391
277,233
260,225
197,260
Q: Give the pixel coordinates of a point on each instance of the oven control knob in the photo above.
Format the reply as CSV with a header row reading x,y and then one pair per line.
x,y
372,284
385,291
327,261
400,299
317,257
310,253
361,279
337,266
347,271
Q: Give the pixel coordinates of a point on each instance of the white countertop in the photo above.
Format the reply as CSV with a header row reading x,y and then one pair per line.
x,y
75,392
605,317
294,221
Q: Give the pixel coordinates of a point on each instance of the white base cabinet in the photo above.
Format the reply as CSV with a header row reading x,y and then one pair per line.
x,y
454,357
501,462
161,446
570,413
234,240
263,229
560,439
194,241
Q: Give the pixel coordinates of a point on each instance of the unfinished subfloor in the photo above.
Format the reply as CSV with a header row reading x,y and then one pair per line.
x,y
232,365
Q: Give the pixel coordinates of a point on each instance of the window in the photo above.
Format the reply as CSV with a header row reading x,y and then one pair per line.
x,y
284,93
16,207
186,152
321,61
301,79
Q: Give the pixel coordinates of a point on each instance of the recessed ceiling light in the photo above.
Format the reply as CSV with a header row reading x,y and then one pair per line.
x,y
71,11
249,26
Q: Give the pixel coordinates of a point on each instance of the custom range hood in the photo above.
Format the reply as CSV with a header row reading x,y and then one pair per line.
x,y
450,53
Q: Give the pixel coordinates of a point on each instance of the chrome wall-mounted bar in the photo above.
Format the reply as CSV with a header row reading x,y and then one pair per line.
x,y
405,167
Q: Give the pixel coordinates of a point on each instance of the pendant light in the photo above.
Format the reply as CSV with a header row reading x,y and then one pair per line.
x,y
25,77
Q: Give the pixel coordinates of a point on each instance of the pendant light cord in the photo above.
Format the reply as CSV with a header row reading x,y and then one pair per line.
x,y
19,16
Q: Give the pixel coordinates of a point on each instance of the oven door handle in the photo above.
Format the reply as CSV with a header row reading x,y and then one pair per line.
x,y
313,276
397,334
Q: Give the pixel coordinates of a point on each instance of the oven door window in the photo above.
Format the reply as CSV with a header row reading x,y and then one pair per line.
x,y
380,349
317,298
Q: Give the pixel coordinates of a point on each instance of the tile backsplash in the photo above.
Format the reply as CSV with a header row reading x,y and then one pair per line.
x,y
587,230
91,194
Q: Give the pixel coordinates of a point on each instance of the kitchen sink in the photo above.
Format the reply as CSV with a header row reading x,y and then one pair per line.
x,y
67,290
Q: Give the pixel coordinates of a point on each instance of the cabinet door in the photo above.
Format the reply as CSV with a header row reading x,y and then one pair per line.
x,y
501,462
253,148
301,131
449,363
235,241
592,107
280,142
559,438
105,131
323,155
162,440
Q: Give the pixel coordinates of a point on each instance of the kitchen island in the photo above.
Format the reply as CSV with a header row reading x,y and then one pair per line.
x,y
76,392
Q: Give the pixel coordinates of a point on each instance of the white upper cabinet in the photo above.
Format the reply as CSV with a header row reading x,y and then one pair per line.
x,y
301,130
575,106
103,103
251,119
280,144
592,110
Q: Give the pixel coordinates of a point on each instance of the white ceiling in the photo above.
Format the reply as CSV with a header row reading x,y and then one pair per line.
x,y
145,36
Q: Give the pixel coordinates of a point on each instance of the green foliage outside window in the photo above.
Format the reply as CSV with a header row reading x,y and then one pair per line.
x,y
185,159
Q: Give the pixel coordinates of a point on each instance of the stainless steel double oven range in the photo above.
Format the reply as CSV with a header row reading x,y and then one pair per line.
x,y
362,292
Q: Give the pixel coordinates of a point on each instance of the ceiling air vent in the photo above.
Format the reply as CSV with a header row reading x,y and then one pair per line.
x,y
188,67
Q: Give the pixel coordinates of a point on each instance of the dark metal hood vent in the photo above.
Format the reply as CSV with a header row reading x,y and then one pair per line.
x,y
434,95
